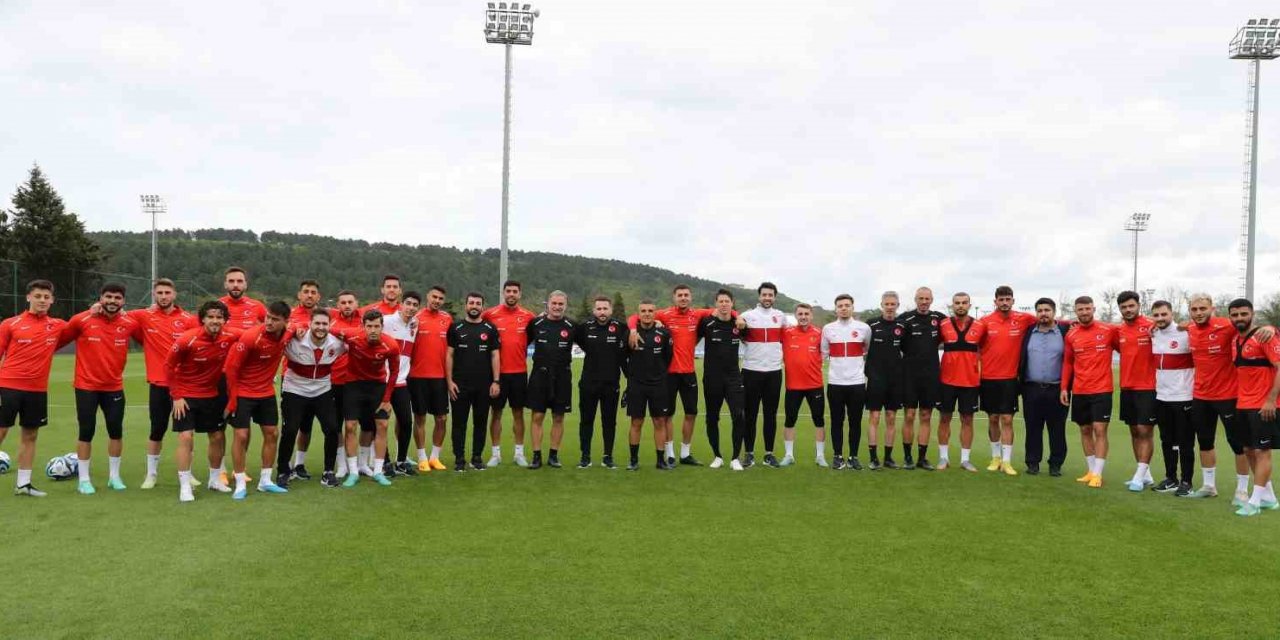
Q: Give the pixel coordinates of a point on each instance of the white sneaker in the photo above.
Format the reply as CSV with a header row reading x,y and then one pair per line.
x,y
185,494
366,471
736,465
822,462
717,463
787,461
340,468
219,487
149,482
494,460
1241,499
520,461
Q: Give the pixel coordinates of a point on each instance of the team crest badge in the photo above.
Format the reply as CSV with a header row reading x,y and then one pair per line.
x,y
613,329
484,336
564,333
657,339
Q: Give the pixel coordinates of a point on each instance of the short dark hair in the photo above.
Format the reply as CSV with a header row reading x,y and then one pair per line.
x,y
1161,303
512,283
370,316
1048,301
604,299
112,287
347,292
319,311
1004,290
390,276
39,284
411,294
767,285
1084,300
212,305
475,294
163,282
436,287
843,296
309,283
1240,303
649,301
279,309
1126,296
680,287
724,292
234,269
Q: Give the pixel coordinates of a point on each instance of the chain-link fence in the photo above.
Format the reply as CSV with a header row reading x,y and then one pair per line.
x,y
76,290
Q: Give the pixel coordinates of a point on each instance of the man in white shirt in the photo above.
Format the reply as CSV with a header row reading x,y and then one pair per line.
x,y
307,392
762,370
844,344
1175,380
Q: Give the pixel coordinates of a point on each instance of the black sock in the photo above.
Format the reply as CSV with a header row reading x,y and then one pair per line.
x,y
906,452
555,453
662,459
871,451
888,453
635,452
923,450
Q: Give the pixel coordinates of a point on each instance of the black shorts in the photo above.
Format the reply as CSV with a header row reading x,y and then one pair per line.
x,y
429,396
513,389
652,397
204,415
1262,433
684,385
999,397
360,400
1137,407
264,412
1088,408
963,400
87,405
550,390
884,390
160,409
1204,419
921,388
30,409
339,393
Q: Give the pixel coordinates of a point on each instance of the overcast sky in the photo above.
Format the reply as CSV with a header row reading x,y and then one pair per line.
x,y
828,146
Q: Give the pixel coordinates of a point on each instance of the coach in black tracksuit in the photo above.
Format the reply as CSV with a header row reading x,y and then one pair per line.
x,y
1040,375
471,376
646,367
604,341
721,377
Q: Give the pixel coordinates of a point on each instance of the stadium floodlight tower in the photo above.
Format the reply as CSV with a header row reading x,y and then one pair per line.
x,y
155,207
1137,223
507,23
1256,41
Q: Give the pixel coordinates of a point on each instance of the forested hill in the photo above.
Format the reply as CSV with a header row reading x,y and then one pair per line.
x,y
277,261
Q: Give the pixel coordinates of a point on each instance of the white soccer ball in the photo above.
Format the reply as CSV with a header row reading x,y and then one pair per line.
x,y
57,469
4,462
73,462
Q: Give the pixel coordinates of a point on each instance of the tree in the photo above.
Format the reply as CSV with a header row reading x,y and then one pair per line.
x,y
1269,312
49,241
587,309
619,307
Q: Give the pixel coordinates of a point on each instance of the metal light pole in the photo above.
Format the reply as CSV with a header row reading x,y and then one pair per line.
x,y
1137,223
507,24
153,205
1256,41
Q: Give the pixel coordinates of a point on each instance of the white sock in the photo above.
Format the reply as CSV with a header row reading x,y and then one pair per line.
x,y
1141,474
353,466
1006,453
519,451
340,464
944,453
422,455
84,471
113,467
222,466
1146,476
685,449
214,478
377,466
788,445
670,449
1101,462
184,478
365,455
1271,492
241,480
495,451
299,458
995,449
964,455
153,464
1092,463
821,447
1255,498
1210,476
1242,483
264,477
435,452
24,477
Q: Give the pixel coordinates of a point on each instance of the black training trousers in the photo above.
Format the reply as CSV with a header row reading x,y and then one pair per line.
x,y
846,400
761,388
475,403
299,410
593,394
1177,438
719,392
1042,407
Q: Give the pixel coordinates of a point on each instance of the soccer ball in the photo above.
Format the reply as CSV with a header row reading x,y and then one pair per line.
x,y
57,469
4,462
73,462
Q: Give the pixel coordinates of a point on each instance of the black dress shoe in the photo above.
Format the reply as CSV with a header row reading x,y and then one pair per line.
x,y
1055,471
1033,468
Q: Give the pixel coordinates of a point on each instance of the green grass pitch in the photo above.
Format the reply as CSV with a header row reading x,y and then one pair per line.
x,y
798,552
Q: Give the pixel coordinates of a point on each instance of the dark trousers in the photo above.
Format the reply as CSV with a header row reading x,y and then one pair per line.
x,y
299,410
847,400
593,394
761,389
718,393
1042,408
1177,439
473,403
